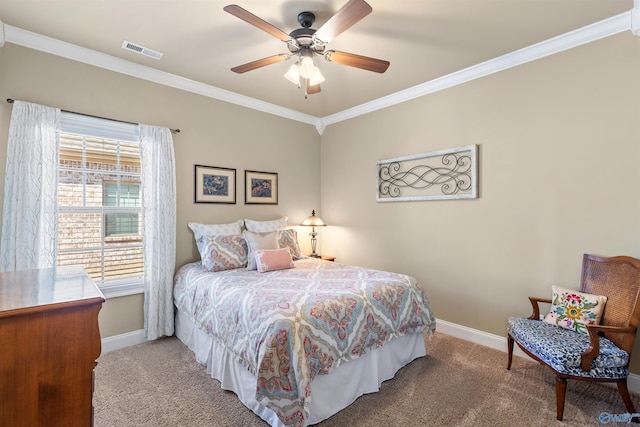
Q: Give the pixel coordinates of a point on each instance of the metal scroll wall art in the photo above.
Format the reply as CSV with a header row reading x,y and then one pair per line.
x,y
439,175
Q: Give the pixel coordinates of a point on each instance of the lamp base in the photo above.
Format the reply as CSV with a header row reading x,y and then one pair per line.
x,y
314,256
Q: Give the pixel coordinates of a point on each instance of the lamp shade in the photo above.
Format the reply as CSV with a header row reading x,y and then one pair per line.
x,y
307,69
293,75
317,78
313,220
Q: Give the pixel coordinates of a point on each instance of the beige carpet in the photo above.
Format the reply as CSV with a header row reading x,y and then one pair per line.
x,y
457,384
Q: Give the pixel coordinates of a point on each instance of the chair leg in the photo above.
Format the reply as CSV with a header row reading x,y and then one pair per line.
x,y
626,398
561,390
510,350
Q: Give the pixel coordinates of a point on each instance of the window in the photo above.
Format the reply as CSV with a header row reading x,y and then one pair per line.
x,y
121,194
99,203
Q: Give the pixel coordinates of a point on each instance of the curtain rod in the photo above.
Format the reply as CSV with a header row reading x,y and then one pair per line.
x,y
10,101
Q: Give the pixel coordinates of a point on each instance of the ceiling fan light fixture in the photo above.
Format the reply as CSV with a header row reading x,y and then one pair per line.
x,y
293,75
307,69
306,42
317,78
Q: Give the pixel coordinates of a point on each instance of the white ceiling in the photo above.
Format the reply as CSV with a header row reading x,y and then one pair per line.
x,y
423,39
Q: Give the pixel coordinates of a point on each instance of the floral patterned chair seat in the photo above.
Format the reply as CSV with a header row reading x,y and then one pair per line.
x,y
562,349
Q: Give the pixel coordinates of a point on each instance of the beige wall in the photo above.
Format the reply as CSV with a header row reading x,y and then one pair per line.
x,y
213,133
559,174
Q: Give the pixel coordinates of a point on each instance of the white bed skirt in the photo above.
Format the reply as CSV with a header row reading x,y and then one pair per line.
x,y
329,393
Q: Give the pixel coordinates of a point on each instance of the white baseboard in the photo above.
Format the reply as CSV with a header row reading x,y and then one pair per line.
x,y
496,342
117,342
500,343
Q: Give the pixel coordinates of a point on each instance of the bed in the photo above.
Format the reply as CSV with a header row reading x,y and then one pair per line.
x,y
298,345
297,339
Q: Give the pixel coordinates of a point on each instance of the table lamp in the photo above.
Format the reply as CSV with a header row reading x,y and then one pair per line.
x,y
313,221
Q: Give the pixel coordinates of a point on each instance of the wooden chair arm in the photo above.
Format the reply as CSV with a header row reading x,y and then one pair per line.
x,y
594,342
536,308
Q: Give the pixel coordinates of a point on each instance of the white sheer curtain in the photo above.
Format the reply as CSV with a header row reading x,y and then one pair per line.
x,y
159,228
29,216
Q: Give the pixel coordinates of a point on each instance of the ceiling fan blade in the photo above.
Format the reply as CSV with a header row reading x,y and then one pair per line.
x,y
358,61
310,90
260,63
344,18
252,19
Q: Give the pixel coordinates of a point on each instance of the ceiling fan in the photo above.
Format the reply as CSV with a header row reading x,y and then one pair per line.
x,y
304,43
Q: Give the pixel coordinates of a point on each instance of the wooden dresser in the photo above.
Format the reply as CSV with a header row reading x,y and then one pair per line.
x,y
49,343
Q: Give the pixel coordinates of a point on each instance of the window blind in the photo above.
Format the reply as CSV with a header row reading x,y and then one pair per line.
x,y
102,128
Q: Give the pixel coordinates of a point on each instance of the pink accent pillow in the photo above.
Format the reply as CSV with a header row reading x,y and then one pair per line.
x,y
273,259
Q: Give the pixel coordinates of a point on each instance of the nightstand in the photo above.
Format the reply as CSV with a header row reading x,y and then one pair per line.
x,y
328,258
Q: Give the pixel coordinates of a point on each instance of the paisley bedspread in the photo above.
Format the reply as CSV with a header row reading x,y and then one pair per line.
x,y
288,326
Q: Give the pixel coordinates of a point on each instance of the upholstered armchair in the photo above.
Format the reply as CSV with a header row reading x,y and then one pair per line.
x,y
587,335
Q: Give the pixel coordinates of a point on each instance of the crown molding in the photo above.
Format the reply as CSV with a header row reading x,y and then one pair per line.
x,y
63,49
584,35
581,36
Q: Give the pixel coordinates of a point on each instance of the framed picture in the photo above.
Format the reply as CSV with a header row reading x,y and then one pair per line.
x,y
260,188
215,185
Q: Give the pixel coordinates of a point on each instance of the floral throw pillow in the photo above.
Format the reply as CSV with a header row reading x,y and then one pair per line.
x,y
219,253
574,310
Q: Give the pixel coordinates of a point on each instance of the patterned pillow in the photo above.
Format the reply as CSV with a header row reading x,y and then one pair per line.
x,y
289,239
215,229
273,259
256,241
574,310
219,253
265,226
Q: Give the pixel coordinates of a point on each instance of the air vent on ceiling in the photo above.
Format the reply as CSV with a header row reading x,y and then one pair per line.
x,y
141,50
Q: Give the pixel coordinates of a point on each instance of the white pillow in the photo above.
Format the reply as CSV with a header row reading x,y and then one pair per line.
x,y
215,229
257,241
265,226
